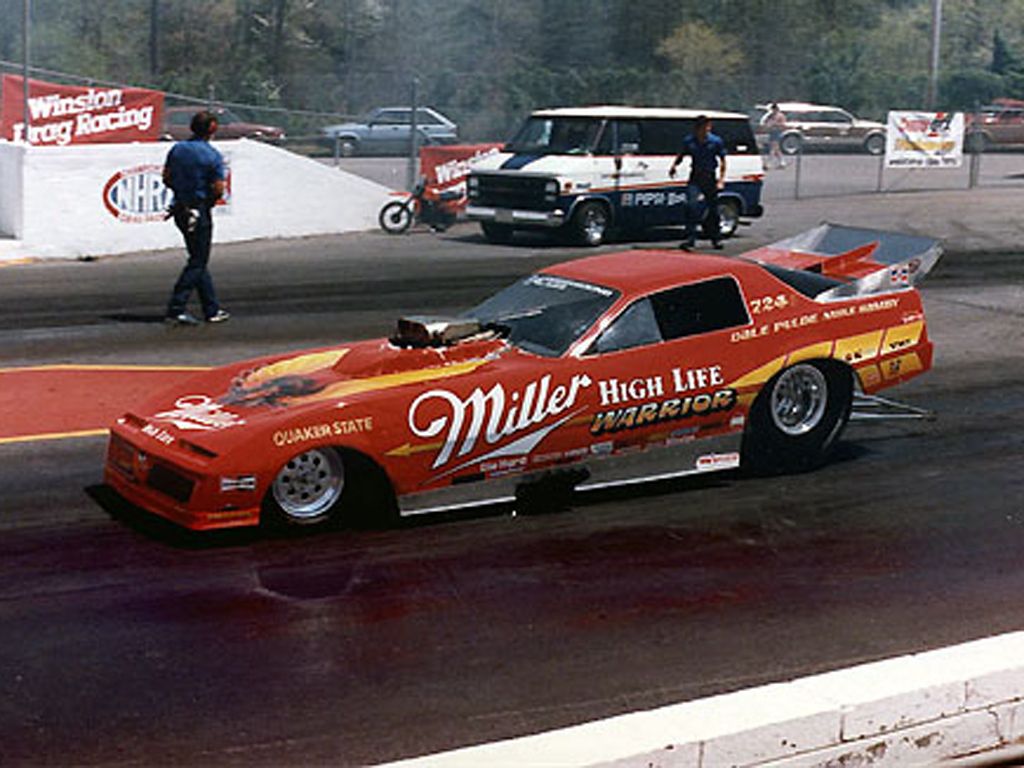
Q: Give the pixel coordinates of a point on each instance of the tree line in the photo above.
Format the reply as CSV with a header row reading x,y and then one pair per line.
x,y
486,63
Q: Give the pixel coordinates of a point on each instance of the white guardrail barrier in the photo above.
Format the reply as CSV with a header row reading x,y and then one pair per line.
x,y
915,710
89,200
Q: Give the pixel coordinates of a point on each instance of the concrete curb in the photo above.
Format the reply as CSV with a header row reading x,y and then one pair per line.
x,y
912,710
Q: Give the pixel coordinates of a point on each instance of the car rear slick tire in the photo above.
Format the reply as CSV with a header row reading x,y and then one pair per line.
x,y
327,486
590,224
798,417
395,217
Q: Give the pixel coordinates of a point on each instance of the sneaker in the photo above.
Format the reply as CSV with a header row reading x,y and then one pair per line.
x,y
183,318
220,316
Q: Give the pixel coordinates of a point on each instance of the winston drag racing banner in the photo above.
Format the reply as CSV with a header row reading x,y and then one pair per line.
x,y
70,114
446,167
924,140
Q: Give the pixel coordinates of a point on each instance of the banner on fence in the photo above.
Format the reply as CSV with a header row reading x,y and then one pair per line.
x,y
446,168
70,114
924,140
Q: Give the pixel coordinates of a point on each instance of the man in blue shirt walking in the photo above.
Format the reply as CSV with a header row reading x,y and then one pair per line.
x,y
194,171
707,177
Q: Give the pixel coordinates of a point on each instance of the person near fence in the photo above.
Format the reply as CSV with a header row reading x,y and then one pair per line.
x,y
707,176
194,171
775,122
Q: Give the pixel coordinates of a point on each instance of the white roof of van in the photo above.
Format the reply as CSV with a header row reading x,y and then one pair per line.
x,y
621,112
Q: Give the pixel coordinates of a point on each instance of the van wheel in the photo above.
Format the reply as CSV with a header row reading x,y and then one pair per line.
x,y
590,224
791,144
798,417
874,144
728,217
500,234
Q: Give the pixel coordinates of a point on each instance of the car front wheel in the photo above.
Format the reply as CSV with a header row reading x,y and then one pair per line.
x,y
347,147
791,144
326,485
798,417
875,144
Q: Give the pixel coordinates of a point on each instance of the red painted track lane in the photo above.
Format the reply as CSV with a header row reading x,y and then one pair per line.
x,y
48,402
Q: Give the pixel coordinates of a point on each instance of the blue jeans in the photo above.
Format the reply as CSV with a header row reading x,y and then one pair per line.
x,y
195,275
707,186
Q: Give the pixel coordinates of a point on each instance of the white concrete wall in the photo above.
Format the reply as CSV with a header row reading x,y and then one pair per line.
x,y
913,710
275,193
11,158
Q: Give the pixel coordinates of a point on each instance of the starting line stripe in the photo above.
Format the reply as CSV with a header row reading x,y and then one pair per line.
x,y
52,436
100,367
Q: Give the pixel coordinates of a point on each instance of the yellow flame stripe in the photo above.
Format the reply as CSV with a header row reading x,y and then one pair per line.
x,y
855,349
388,380
759,375
902,336
296,366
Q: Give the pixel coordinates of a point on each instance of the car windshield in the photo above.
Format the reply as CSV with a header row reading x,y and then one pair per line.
x,y
556,136
544,314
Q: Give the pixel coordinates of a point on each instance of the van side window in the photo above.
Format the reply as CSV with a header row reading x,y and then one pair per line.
x,y
737,135
664,137
703,307
628,137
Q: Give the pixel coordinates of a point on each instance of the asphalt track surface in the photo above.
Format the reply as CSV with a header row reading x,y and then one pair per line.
x,y
126,642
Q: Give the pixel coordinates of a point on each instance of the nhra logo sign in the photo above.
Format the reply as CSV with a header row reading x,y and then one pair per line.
x,y
137,195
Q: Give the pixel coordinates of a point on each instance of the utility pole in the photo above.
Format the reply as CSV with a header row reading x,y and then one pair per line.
x,y
26,13
154,41
410,176
933,61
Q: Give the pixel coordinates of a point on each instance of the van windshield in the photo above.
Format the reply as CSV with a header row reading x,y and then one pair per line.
x,y
556,136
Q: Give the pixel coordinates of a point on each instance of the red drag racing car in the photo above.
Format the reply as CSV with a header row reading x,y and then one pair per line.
x,y
606,370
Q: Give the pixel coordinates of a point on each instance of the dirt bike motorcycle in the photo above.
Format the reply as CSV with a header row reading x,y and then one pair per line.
x,y
426,204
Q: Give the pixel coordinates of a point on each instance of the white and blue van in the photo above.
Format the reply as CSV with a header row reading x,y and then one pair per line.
x,y
588,170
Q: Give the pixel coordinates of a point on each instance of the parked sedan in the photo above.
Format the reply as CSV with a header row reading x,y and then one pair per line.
x,y
601,371
388,131
229,125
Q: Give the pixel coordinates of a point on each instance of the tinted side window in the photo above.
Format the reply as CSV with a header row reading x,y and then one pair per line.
x,y
699,308
394,117
635,327
663,137
629,135
737,135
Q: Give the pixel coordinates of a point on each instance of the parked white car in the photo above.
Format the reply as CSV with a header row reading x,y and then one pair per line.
x,y
388,130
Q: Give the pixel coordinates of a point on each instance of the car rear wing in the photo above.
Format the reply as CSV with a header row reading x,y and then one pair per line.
x,y
853,261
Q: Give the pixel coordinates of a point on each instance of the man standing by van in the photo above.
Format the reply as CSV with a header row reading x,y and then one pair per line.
x,y
707,177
